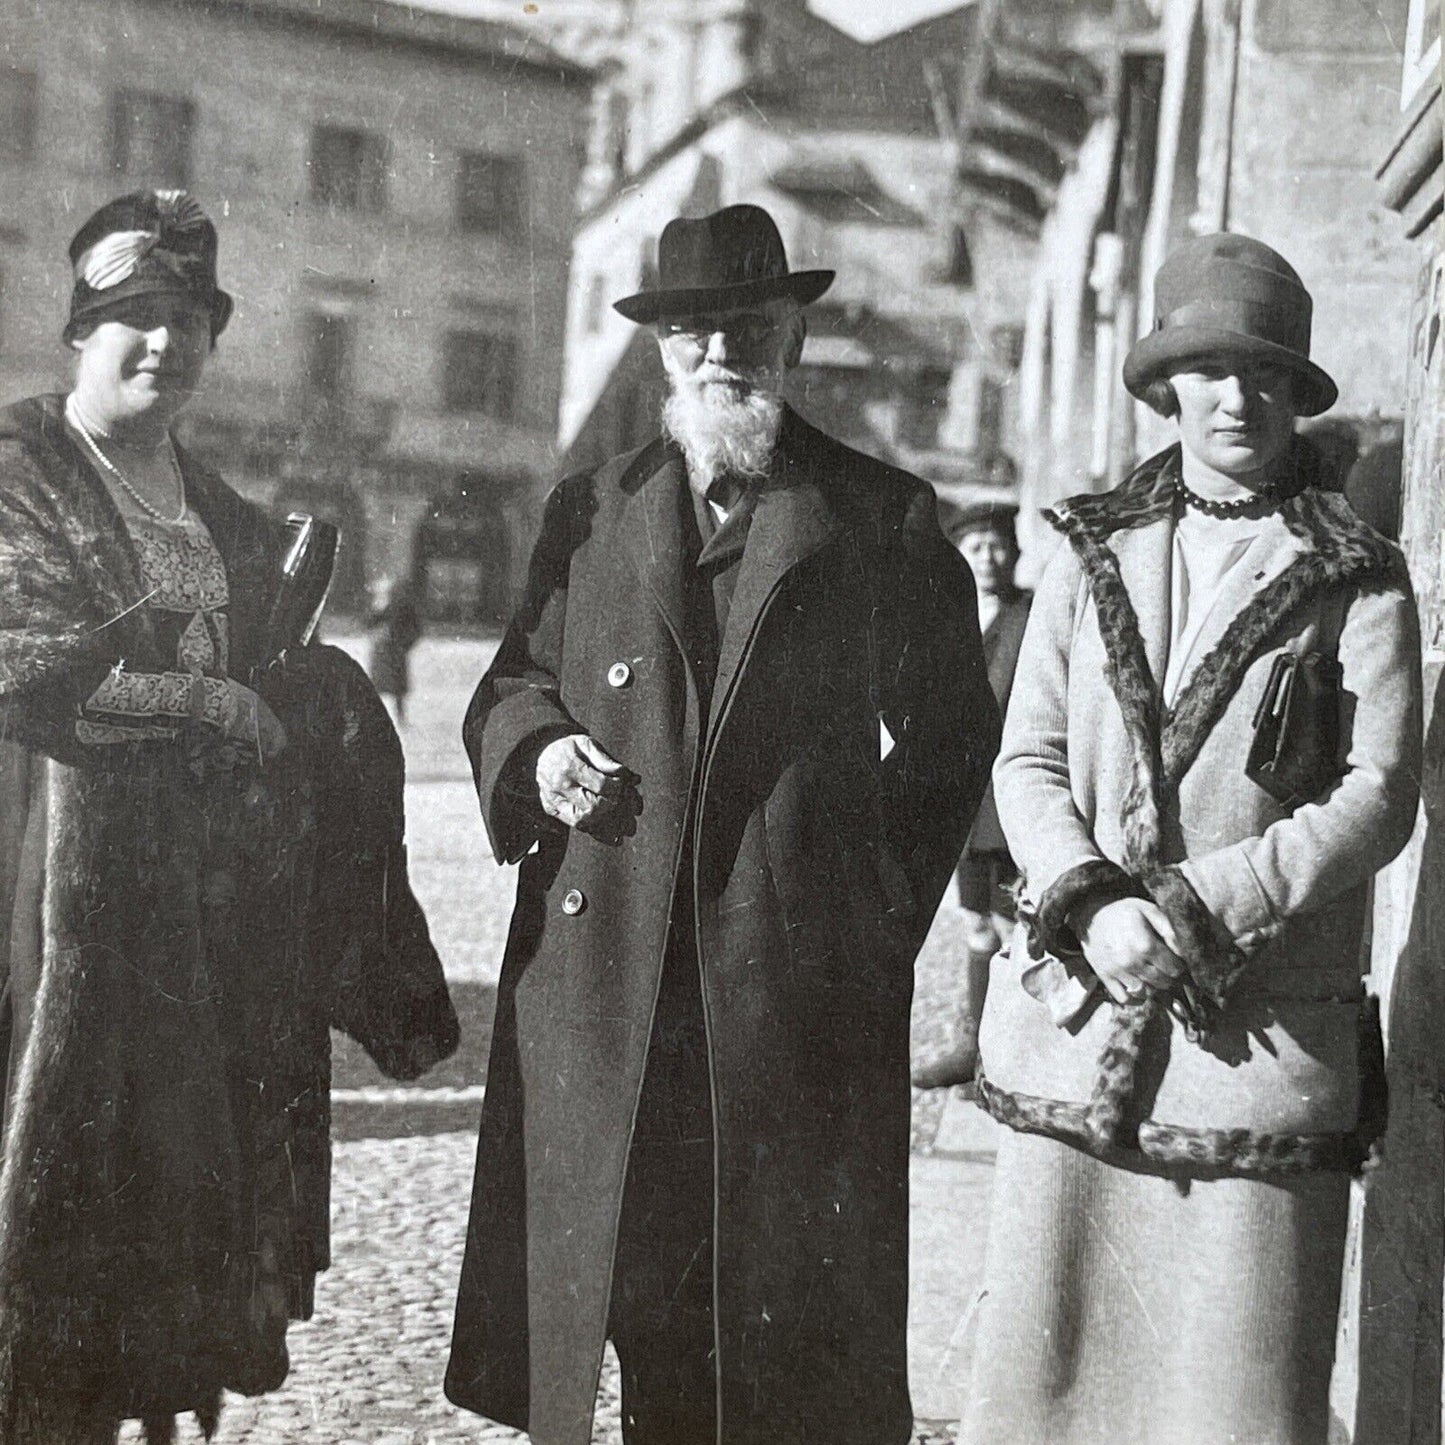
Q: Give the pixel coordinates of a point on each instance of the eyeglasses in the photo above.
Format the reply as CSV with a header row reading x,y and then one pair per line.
x,y
747,328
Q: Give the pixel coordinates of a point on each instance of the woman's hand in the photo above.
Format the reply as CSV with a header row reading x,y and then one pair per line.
x,y
1130,945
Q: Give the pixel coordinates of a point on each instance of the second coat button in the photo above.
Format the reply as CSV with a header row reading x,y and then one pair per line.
x,y
619,675
573,901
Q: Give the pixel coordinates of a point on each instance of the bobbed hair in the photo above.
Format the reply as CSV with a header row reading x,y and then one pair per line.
x,y
1159,396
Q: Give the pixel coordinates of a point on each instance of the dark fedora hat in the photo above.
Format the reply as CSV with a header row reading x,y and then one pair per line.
x,y
147,243
1229,295
729,259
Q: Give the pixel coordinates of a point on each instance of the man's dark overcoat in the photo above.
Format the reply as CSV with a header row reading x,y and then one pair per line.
x,y
817,866
1001,643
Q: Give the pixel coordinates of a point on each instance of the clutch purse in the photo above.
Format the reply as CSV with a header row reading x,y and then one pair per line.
x,y
1294,755
307,567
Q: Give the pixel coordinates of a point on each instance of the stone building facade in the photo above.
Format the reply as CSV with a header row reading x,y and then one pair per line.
x,y
1313,125
706,103
1390,1386
394,194
1266,117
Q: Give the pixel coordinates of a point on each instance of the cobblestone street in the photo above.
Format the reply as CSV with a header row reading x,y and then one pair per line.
x,y
368,1369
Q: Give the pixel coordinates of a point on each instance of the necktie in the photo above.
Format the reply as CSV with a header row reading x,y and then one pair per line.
x,y
725,492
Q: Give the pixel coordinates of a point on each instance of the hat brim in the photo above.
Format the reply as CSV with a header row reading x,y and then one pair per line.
x,y
800,286
97,306
1162,352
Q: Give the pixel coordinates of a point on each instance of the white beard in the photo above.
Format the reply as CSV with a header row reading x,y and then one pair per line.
x,y
720,432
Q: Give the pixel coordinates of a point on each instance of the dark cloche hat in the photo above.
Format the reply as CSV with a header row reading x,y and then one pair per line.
x,y
1230,295
729,259
146,243
959,518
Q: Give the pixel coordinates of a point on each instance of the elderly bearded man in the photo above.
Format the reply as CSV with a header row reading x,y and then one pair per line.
x,y
695,1138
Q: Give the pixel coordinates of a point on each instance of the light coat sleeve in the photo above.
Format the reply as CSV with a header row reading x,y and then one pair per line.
x,y
1325,848
1046,834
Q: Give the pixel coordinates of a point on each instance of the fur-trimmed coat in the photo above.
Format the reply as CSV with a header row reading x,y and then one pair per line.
x,y
1100,787
817,867
177,940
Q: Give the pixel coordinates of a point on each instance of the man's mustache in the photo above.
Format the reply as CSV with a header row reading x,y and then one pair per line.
x,y
721,376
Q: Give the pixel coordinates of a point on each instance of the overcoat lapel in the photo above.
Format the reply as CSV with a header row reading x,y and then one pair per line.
x,y
654,531
792,520
93,505
1146,558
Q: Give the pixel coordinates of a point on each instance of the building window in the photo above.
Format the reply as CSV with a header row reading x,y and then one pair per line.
x,y
19,110
328,358
990,414
480,372
348,168
960,259
595,306
150,137
489,193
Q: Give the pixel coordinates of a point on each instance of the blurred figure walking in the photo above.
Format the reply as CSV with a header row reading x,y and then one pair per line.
x,y
396,625
986,535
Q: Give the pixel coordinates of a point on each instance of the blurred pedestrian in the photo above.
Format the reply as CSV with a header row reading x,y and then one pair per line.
x,y
396,625
1213,744
202,871
985,535
695,1137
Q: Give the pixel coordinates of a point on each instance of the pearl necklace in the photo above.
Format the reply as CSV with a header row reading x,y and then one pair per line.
x,y
154,513
1254,505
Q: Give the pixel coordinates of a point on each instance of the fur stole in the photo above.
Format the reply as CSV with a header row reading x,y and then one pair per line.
x,y
1342,554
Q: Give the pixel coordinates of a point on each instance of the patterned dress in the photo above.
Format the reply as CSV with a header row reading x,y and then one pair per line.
x,y
185,580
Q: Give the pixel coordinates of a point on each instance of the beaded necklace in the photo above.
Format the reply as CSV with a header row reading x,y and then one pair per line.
x,y
93,447
1257,504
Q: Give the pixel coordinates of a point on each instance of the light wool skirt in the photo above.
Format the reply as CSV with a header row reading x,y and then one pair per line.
x,y
1120,1308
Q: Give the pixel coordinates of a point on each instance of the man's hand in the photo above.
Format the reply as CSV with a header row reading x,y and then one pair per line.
x,y
581,785
1130,944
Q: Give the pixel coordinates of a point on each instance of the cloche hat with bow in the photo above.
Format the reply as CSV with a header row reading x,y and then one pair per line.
x,y
147,243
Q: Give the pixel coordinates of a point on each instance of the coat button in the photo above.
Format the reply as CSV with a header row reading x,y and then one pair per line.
x,y
619,675
573,902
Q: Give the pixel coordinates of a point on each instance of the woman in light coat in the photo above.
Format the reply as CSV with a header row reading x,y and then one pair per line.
x,y
1178,1037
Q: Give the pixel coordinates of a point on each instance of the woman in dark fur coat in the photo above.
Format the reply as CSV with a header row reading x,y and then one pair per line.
x,y
201,869
1177,1036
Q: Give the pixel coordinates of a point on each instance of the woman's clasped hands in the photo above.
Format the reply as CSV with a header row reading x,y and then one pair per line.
x,y
1131,946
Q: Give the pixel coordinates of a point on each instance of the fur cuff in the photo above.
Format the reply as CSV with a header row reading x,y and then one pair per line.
x,y
1049,930
1206,946
1109,1119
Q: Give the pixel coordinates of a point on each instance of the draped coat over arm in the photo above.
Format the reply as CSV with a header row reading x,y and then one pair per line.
x,y
818,864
